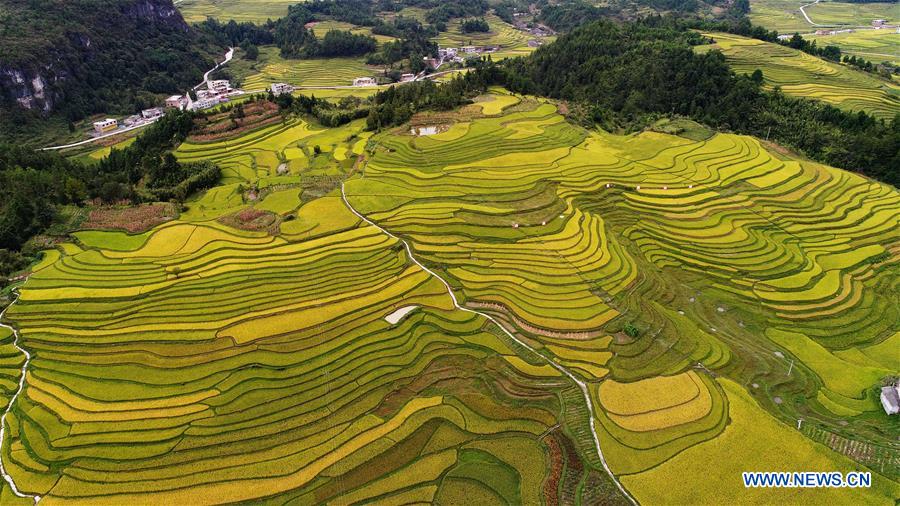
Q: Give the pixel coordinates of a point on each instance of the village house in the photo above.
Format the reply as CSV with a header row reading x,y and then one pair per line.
x,y
430,62
204,103
541,31
405,78
364,81
890,399
878,22
206,94
281,88
132,120
153,112
176,102
105,125
219,86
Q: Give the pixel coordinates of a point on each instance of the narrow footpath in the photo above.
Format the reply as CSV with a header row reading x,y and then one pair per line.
x,y
12,400
581,384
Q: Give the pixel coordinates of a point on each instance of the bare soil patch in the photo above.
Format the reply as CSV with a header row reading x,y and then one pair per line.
x,y
255,220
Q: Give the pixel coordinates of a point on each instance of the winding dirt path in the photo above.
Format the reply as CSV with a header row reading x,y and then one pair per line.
x,y
12,400
581,384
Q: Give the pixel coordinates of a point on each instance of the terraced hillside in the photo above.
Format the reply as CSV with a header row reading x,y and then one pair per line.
x,y
322,27
785,16
513,310
511,41
873,45
705,246
803,75
272,68
256,11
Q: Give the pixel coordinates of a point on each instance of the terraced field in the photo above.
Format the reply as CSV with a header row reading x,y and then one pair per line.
x,y
565,236
873,45
513,310
785,16
803,75
272,68
257,11
320,28
512,42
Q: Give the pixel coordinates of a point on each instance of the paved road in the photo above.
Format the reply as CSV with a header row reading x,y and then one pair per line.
x,y
12,400
228,55
803,11
97,138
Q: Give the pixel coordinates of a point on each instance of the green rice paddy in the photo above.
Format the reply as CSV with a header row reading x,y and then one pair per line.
x,y
206,361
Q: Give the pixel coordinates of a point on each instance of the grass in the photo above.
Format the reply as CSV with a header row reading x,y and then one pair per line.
x,y
803,75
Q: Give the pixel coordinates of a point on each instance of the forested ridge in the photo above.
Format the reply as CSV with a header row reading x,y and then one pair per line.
x,y
79,57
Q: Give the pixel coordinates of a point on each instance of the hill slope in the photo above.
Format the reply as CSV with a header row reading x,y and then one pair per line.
x,y
221,358
803,75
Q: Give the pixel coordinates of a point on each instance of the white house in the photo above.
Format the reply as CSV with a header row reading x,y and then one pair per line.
x,y
405,78
281,88
890,399
364,81
151,113
105,125
201,94
204,103
218,85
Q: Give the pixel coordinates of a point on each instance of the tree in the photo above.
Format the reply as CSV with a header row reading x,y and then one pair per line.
x,y
631,330
251,52
757,76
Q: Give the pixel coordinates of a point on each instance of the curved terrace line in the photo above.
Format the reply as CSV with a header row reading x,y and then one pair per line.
x,y
581,384
12,400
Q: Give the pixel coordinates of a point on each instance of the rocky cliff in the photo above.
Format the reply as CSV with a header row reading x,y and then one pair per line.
x,y
86,56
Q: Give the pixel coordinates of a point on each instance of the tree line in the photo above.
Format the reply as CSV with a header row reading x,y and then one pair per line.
x,y
35,184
